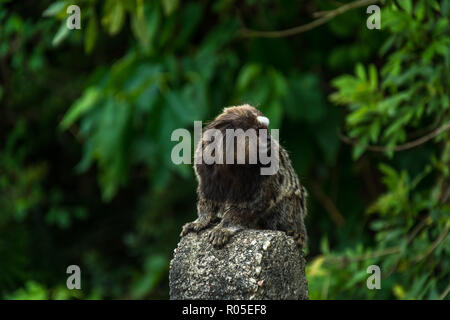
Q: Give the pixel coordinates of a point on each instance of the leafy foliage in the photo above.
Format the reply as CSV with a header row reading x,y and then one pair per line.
x,y
412,215
85,170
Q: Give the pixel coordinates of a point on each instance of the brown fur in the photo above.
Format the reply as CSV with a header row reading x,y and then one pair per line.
x,y
240,197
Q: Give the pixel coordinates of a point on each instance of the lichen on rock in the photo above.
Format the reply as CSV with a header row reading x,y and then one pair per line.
x,y
255,264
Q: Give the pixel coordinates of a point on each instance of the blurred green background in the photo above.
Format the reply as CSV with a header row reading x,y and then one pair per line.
x,y
86,118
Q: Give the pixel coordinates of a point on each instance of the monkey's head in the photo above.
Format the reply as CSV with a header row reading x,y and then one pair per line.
x,y
232,142
240,117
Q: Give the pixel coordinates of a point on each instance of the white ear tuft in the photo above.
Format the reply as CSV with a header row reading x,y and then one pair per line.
x,y
263,120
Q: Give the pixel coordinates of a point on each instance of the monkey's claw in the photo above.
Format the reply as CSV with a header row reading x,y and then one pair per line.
x,y
218,237
192,227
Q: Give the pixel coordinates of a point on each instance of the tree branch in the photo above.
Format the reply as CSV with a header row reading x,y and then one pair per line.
x,y
327,203
445,293
402,147
433,246
383,252
372,255
326,16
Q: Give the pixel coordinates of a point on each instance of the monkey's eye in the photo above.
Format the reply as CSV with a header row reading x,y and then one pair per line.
x,y
263,120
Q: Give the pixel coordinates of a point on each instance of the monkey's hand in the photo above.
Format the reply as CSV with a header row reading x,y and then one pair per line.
x,y
232,222
195,226
219,235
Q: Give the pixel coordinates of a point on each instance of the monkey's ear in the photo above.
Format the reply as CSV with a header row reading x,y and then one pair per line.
x,y
263,120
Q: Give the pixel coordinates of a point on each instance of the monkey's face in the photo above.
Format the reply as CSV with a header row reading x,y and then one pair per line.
x,y
243,134
236,134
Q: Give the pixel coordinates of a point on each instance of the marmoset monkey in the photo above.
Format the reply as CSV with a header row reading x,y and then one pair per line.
x,y
237,194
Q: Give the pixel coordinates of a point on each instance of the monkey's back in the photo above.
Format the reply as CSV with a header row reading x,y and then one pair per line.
x,y
288,208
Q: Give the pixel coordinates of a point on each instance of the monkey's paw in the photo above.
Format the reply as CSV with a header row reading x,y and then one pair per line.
x,y
192,227
218,237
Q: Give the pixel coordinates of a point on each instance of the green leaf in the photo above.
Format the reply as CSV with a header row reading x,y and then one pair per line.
x,y
169,6
54,9
146,26
62,33
373,77
115,17
406,5
91,34
190,18
139,27
112,142
359,149
154,269
248,73
80,107
153,24
184,108
419,10
324,245
360,72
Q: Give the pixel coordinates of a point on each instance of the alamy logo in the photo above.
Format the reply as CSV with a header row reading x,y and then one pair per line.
x,y
74,280
236,146
374,281
74,20
374,20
